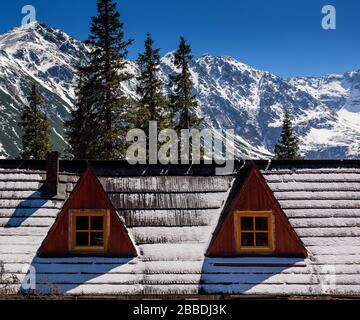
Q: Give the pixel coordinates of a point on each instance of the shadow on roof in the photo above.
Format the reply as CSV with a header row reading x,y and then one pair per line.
x,y
26,209
56,276
241,275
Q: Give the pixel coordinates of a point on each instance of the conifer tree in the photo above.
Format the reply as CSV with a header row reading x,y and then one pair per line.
x,y
35,128
153,104
288,145
82,126
106,105
183,101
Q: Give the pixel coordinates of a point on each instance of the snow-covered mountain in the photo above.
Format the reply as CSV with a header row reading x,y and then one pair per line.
x,y
341,94
36,53
231,95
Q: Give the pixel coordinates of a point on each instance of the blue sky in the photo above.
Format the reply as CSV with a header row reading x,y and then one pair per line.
x,y
281,36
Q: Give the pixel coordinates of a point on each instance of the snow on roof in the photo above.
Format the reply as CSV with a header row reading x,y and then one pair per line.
x,y
172,219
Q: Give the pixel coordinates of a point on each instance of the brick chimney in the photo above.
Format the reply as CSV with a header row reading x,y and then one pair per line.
x,y
52,173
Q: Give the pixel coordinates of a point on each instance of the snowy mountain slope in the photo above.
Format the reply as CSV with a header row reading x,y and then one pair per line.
x,y
231,95
341,93
234,95
36,53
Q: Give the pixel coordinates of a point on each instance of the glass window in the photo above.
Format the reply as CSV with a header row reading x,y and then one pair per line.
x,y
254,231
88,231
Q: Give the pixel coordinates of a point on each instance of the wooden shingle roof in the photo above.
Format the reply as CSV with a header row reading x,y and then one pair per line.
x,y
171,214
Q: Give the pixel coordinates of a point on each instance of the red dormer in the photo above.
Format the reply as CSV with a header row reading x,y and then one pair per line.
x,y
253,223
88,224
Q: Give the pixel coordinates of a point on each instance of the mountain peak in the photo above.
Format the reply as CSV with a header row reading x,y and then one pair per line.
x,y
25,33
26,28
225,60
31,25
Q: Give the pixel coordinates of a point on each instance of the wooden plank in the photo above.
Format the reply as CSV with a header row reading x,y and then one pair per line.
x,y
22,176
17,194
71,179
335,250
185,267
20,185
90,289
168,201
84,260
329,232
28,212
172,252
324,222
32,203
260,264
331,241
26,222
310,268
280,289
24,240
314,186
235,289
318,195
169,218
25,258
180,235
23,231
323,213
18,248
185,184
333,260
175,279
320,204
313,177
180,267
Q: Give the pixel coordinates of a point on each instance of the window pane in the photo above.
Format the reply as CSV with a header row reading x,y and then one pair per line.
x,y
96,239
247,223
262,239
247,239
261,223
82,239
82,223
97,223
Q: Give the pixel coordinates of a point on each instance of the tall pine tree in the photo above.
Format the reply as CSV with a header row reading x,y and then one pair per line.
x,y
153,104
82,125
183,100
106,105
35,128
288,145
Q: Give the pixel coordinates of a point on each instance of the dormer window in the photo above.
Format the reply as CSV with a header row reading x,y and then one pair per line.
x,y
254,232
89,231
253,222
81,228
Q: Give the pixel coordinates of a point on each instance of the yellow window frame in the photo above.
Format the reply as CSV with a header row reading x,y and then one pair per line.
x,y
89,213
270,231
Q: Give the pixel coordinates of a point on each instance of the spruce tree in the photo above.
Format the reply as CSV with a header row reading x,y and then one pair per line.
x,y
153,104
82,126
288,145
105,71
35,128
183,101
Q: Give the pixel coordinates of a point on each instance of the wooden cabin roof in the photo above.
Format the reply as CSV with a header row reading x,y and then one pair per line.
x,y
171,214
